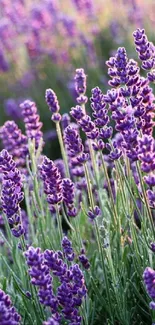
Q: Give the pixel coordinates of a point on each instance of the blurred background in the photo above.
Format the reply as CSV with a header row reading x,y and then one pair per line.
x,y
42,42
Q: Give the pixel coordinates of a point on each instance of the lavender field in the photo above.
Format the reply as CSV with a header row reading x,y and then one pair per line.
x,y
77,162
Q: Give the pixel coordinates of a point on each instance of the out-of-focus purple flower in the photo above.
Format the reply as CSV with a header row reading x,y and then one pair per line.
x,y
84,260
152,305
67,249
146,152
84,6
80,85
152,247
68,191
4,65
54,320
50,135
149,280
40,277
92,214
12,109
59,163
32,121
65,121
80,81
8,313
14,142
51,177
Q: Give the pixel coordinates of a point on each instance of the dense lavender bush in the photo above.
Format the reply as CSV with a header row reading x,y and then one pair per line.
x,y
77,235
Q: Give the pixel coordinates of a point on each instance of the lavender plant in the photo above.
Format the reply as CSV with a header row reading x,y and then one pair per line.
x,y
77,235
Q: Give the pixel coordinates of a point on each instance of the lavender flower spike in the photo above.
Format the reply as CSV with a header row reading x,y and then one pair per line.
x,y
149,280
51,177
8,314
53,104
69,196
68,250
80,86
31,120
11,194
40,277
73,142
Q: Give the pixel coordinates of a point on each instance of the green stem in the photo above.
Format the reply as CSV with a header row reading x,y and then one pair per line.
x,y
59,224
145,198
90,195
62,148
110,189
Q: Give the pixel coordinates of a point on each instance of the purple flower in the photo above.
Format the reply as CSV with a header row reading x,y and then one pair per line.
x,y
51,177
80,81
54,320
69,196
59,163
52,101
84,121
80,86
144,48
12,109
65,121
8,314
40,277
54,261
73,142
14,142
77,113
84,260
146,153
92,214
152,305
67,249
11,194
152,247
31,120
71,292
98,107
149,280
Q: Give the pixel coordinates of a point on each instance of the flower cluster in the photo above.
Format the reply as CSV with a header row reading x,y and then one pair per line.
x,y
8,314
14,142
146,52
69,196
80,86
51,177
31,120
71,289
149,280
53,104
12,193
40,277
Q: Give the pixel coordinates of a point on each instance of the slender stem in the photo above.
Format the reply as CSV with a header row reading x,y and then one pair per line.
x,y
59,224
63,153
90,195
109,188
145,198
66,219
